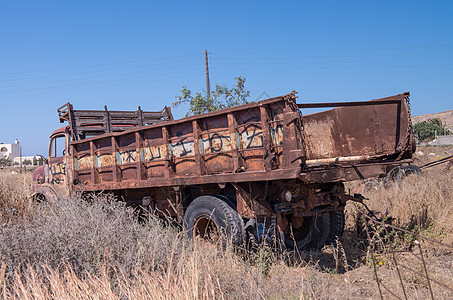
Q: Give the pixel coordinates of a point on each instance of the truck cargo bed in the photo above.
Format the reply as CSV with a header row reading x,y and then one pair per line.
x,y
263,141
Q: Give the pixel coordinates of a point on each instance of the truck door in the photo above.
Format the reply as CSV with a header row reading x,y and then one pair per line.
x,y
58,153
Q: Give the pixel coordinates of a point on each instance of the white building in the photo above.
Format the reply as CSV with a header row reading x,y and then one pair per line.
x,y
34,160
10,151
442,140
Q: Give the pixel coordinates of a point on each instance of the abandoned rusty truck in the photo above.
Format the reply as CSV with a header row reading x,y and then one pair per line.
x,y
256,171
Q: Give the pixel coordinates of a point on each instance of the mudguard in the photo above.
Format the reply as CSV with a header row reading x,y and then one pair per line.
x,y
47,190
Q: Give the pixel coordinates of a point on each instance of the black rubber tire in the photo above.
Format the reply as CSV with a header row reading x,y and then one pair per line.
x,y
229,200
406,171
316,237
39,198
391,175
214,209
337,223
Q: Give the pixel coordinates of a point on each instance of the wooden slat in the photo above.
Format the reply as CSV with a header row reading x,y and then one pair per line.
x,y
107,120
140,116
80,120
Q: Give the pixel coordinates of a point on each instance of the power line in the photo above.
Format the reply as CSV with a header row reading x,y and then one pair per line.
x,y
95,77
97,87
97,71
338,50
341,73
112,80
98,65
333,56
329,62
328,68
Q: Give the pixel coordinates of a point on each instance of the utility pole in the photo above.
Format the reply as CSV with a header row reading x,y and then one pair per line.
x,y
20,157
208,87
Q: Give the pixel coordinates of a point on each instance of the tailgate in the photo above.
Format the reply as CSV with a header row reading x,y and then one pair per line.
x,y
380,127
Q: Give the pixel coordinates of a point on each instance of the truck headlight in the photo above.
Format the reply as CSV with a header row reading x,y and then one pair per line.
x,y
288,196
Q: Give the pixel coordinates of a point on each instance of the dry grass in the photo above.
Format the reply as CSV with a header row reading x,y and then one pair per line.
x,y
80,250
422,202
14,192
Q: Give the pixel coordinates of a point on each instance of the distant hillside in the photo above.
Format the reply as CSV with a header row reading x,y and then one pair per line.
x,y
445,116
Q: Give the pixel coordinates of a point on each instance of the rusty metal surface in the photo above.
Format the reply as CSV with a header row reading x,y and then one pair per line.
x,y
379,127
221,146
60,130
250,207
263,141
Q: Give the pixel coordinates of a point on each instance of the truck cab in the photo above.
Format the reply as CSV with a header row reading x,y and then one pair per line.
x,y
52,180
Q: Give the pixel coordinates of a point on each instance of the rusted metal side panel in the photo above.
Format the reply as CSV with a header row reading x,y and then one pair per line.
x,y
215,145
358,130
267,140
237,140
153,154
103,156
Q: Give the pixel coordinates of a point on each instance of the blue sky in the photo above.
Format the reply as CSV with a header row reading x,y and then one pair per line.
x,y
130,53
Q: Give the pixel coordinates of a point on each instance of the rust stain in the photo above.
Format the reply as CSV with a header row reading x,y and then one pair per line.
x,y
277,135
212,143
126,156
105,160
251,138
319,138
182,149
85,162
153,153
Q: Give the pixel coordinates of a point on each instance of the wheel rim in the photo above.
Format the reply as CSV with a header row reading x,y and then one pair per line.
x,y
206,228
297,233
300,232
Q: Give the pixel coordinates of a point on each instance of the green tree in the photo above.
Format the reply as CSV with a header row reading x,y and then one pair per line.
x,y
27,162
5,162
426,130
222,97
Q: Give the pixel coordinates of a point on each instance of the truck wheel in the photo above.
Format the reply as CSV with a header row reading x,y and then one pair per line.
x,y
39,198
311,233
211,218
337,222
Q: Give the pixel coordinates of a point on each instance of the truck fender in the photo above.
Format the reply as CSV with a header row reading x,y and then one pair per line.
x,y
45,192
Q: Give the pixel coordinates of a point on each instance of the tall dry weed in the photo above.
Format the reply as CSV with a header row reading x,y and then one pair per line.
x,y
422,202
98,250
76,249
14,194
87,236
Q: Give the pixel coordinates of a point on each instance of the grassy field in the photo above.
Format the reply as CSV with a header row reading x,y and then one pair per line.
x,y
80,250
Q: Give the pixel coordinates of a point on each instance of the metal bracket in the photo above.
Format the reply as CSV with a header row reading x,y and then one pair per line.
x,y
283,207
